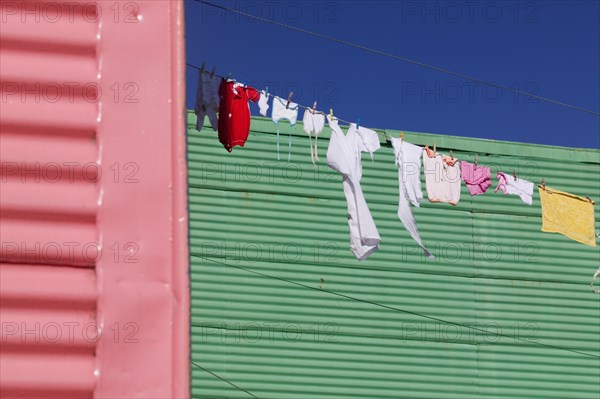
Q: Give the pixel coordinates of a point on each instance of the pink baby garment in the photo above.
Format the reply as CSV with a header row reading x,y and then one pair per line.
x,y
477,178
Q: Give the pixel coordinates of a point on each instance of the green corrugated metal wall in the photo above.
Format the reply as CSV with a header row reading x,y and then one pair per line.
x,y
270,252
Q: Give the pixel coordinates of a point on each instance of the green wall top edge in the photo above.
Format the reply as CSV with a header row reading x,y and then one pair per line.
x,y
475,145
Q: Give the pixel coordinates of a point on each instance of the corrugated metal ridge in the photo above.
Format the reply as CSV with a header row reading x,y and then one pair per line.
x,y
483,146
379,172
254,226
48,206
466,204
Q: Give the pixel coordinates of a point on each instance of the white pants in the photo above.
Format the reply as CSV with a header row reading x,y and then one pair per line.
x,y
364,237
408,160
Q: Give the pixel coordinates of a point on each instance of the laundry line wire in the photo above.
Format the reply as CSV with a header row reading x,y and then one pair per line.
x,y
383,134
299,105
404,59
396,309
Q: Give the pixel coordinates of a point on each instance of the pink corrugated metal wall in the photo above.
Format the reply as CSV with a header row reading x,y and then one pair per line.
x,y
94,266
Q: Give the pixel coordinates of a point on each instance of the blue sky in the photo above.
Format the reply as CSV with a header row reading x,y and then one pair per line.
x,y
549,48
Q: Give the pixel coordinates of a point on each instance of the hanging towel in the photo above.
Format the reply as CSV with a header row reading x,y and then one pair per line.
x,y
568,214
477,178
344,156
408,161
442,177
207,100
234,113
313,122
508,185
280,112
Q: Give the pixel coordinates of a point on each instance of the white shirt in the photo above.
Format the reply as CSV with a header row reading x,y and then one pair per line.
x,y
344,156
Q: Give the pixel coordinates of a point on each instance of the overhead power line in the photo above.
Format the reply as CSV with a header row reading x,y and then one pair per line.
x,y
404,59
225,380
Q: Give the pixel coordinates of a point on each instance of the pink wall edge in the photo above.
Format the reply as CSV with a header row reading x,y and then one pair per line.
x,y
154,293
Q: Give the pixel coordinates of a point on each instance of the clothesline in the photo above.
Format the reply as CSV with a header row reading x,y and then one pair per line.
x,y
270,95
226,103
299,105
383,134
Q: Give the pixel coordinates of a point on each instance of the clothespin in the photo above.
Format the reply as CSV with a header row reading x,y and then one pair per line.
x,y
515,175
202,69
401,135
289,99
212,73
543,184
588,198
358,123
434,149
331,113
314,108
451,155
229,76
267,91
475,161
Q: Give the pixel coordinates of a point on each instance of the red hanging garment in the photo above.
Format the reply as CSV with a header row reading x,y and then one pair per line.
x,y
234,113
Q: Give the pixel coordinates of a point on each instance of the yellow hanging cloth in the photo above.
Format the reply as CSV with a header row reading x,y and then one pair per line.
x,y
568,214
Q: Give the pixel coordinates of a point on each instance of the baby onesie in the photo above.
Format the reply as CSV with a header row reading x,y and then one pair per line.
x,y
279,113
442,177
234,113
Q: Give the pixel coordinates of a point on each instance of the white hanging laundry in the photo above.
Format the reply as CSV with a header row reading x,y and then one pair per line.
x,y
442,177
344,156
279,112
408,160
207,99
313,122
509,185
263,103
597,291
